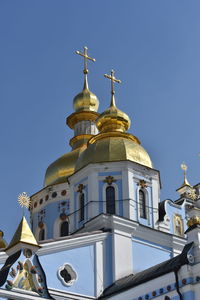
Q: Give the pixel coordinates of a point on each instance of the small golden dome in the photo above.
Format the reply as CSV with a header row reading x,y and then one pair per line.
x,y
113,119
195,220
63,167
86,100
114,148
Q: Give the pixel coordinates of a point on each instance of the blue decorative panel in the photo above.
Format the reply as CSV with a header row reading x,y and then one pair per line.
x,y
173,209
76,205
108,262
50,213
119,185
81,260
101,184
186,296
154,254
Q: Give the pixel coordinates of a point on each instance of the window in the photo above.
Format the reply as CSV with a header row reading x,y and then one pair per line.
x,y
81,206
110,200
41,234
64,228
67,275
142,204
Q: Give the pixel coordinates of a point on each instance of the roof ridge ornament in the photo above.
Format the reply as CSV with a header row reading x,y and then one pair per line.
x,y
113,79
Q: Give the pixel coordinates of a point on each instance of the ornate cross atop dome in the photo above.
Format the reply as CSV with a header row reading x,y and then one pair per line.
x,y
86,58
113,80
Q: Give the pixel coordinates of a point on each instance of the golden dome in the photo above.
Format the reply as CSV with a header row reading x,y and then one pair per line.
x,y
86,100
113,119
63,167
195,220
114,147
113,143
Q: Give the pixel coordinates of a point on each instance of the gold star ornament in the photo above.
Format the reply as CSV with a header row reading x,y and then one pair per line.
x,y
24,200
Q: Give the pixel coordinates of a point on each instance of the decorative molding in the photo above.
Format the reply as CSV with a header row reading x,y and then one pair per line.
x,y
47,191
66,295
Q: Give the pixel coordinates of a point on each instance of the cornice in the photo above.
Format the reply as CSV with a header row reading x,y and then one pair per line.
x,y
67,295
72,242
19,294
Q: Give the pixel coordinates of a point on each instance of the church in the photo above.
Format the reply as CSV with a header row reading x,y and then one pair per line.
x,y
98,229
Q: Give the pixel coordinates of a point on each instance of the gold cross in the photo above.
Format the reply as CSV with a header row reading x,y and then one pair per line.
x,y
113,79
184,168
86,58
109,180
142,183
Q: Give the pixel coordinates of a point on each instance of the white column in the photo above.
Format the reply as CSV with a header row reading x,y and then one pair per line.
x,y
99,286
128,194
121,249
93,195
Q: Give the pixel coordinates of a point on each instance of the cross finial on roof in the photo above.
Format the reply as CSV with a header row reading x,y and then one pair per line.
x,y
113,80
86,58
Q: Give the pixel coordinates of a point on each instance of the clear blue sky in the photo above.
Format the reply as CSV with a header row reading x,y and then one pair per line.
x,y
154,46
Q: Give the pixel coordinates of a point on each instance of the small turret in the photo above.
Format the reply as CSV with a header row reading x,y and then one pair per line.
x,y
186,190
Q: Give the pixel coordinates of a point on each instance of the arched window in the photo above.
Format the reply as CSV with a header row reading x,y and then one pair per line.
x,y
110,200
64,228
41,234
81,206
142,205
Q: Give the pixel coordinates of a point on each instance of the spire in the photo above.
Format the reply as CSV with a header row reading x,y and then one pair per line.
x,y
23,234
113,80
185,181
186,190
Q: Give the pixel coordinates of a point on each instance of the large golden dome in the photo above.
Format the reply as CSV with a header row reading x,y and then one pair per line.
x,y
112,148
64,166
